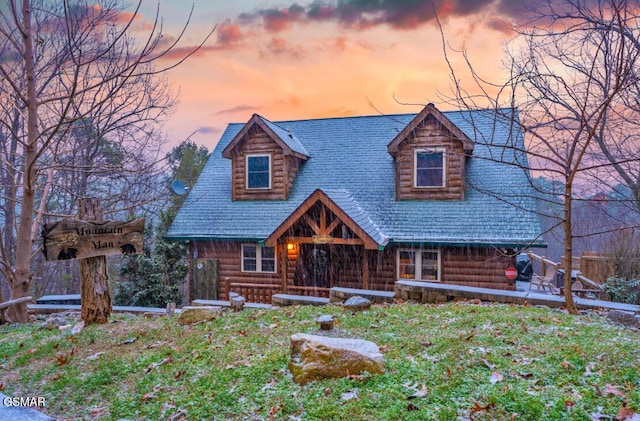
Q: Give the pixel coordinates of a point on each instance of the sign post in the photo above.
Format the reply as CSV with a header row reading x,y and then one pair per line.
x,y
95,296
91,239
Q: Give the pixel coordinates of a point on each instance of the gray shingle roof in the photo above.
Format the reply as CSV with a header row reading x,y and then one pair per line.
x,y
350,163
348,204
287,136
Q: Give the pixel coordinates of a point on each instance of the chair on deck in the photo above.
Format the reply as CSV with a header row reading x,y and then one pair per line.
x,y
545,281
577,289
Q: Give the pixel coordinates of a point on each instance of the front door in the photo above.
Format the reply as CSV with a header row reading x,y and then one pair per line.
x,y
205,279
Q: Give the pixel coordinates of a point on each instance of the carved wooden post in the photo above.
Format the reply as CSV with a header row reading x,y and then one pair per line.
x,y
95,295
365,269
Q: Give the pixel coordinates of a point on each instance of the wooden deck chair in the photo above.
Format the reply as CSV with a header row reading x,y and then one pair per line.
x,y
577,289
546,281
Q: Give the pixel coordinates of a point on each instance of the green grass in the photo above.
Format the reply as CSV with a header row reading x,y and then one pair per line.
x,y
464,361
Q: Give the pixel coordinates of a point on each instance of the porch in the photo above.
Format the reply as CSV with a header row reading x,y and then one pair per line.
x,y
321,246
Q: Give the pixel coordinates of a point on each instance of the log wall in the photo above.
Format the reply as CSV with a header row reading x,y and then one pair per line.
x,y
228,254
283,168
471,266
468,266
430,135
382,269
476,267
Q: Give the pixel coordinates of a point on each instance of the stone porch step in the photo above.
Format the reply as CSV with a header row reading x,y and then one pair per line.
x,y
59,308
284,300
339,294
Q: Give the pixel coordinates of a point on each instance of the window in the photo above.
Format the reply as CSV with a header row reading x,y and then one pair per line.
x,y
258,259
429,168
258,171
419,264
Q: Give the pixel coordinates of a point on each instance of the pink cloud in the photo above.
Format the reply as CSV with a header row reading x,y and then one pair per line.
x,y
229,33
280,47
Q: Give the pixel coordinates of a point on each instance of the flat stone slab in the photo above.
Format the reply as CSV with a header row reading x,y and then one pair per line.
x,y
338,294
421,291
59,299
59,308
284,300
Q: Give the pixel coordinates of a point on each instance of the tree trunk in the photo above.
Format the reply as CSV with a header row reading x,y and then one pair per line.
x,y
24,243
95,294
568,250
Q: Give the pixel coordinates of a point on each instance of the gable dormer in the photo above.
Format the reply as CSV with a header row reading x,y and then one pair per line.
x,y
264,161
430,154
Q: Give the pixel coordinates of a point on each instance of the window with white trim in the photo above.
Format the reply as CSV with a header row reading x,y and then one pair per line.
x,y
429,168
258,171
258,259
419,264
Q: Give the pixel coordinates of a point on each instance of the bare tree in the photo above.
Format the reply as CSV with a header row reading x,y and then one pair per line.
x,y
572,76
78,88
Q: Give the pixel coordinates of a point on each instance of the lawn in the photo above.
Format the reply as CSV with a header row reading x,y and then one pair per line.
x,y
450,361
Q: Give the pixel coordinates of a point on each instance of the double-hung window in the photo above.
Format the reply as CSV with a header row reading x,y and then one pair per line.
x,y
258,259
419,264
258,171
429,168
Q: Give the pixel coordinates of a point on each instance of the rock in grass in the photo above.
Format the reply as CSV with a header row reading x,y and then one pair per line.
x,y
357,303
320,357
626,318
190,315
54,322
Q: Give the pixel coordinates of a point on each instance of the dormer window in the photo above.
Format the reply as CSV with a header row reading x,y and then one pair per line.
x,y
258,171
429,168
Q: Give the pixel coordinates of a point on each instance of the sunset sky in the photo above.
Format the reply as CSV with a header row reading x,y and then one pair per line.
x,y
309,58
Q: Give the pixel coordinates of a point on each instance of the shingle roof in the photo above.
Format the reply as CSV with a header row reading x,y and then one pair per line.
x,y
350,163
287,137
352,208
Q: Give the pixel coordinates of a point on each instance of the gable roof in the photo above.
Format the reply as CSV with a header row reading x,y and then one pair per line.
x,y
347,210
350,163
430,110
284,138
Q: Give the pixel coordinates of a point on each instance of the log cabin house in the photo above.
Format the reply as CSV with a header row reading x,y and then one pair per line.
x,y
301,206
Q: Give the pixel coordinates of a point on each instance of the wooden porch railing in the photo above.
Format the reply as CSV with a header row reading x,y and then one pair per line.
x,y
252,292
309,291
261,293
541,263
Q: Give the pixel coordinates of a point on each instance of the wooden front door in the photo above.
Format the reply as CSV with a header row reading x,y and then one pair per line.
x,y
205,279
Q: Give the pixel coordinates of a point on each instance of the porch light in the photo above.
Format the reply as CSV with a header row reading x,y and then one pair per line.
x,y
292,250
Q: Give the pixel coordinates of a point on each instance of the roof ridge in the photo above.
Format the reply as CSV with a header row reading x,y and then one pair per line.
x,y
278,122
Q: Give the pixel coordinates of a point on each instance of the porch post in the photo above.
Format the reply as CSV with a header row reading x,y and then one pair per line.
x,y
365,268
284,266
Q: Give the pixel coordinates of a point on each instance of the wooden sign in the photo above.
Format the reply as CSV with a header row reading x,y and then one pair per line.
x,y
322,239
77,239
